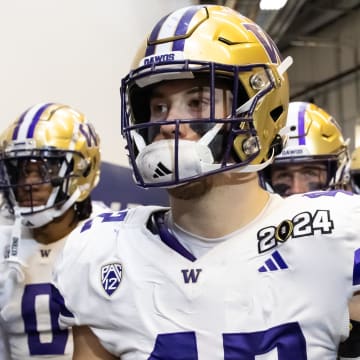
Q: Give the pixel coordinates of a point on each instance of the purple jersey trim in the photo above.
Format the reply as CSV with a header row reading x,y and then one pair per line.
x,y
169,239
356,269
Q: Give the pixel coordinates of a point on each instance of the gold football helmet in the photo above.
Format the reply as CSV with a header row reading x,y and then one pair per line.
x,y
65,144
215,44
355,171
314,135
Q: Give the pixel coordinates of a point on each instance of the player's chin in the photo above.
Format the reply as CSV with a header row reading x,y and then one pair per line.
x,y
192,190
31,203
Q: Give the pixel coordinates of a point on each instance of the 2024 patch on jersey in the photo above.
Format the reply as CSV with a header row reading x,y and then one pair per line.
x,y
277,289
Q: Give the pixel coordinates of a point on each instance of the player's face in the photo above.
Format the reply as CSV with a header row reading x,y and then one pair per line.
x,y
33,179
295,179
186,99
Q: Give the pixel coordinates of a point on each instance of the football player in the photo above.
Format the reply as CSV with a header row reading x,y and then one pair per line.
x,y
350,349
50,161
230,271
315,156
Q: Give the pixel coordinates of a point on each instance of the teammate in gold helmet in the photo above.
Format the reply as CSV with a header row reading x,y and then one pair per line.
x,y
50,161
315,156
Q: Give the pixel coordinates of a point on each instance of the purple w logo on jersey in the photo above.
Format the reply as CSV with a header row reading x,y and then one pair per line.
x,y
111,275
191,275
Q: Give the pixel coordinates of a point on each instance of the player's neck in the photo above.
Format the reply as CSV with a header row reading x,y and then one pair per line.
x,y
230,202
57,229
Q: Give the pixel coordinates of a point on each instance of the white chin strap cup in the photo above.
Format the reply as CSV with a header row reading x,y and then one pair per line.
x,y
44,216
156,162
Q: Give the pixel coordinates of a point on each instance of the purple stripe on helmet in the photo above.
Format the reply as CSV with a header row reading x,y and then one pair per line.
x,y
183,26
356,268
16,130
35,120
150,49
301,123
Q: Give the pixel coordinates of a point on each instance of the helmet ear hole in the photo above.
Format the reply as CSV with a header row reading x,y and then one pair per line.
x,y
87,170
276,146
276,113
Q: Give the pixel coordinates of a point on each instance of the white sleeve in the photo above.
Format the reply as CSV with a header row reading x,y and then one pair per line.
x,y
99,207
77,272
72,274
4,350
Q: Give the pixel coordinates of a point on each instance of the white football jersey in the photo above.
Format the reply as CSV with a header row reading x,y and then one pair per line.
x,y
29,327
4,350
27,314
277,289
6,218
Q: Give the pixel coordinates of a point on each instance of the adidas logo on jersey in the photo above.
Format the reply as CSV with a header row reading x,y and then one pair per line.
x,y
275,262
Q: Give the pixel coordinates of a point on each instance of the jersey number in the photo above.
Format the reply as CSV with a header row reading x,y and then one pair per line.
x,y
287,340
28,309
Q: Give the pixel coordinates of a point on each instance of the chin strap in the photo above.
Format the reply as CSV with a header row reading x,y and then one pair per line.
x,y
284,65
341,179
255,167
209,136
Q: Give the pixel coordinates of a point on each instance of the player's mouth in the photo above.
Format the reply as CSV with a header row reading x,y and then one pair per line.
x,y
28,203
